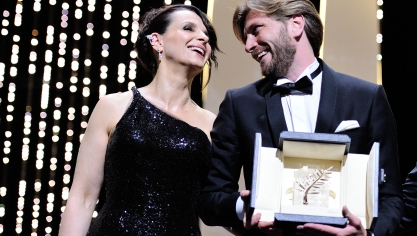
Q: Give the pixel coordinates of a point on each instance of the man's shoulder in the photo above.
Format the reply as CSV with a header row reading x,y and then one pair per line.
x,y
349,79
345,80
348,82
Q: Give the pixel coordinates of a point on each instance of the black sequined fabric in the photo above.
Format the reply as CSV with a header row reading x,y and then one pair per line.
x,y
155,167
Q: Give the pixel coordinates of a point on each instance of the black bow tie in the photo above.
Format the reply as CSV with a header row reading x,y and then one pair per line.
x,y
302,86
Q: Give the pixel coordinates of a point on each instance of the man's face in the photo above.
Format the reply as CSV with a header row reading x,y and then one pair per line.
x,y
269,43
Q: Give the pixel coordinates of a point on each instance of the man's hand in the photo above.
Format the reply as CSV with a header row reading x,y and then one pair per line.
x,y
266,227
254,220
354,227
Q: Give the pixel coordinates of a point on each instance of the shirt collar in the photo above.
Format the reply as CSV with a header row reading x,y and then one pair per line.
x,y
307,72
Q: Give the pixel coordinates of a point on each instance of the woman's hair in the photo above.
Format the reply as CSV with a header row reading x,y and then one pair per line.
x,y
282,10
157,21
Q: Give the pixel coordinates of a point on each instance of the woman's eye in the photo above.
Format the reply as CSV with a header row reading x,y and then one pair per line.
x,y
188,28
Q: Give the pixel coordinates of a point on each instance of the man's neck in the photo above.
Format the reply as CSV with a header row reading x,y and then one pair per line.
x,y
299,66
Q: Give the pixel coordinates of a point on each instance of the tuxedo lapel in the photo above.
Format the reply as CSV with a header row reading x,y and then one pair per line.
x,y
328,97
275,115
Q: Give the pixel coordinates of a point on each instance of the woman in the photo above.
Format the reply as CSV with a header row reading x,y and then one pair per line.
x,y
151,146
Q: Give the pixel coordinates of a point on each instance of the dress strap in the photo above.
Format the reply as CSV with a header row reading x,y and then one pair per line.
x,y
136,93
135,90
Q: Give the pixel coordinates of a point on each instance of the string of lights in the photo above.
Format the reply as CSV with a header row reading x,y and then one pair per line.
x,y
379,16
56,59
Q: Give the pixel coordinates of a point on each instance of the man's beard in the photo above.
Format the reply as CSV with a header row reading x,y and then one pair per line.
x,y
283,53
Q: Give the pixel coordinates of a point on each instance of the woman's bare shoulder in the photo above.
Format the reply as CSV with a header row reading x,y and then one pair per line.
x,y
110,108
208,116
204,120
114,102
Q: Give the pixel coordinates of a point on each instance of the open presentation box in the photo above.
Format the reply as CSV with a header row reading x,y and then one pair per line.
x,y
351,180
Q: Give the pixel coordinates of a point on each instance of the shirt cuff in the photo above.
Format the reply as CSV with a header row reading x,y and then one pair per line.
x,y
239,208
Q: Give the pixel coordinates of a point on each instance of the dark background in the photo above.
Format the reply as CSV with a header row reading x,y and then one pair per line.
x,y
398,50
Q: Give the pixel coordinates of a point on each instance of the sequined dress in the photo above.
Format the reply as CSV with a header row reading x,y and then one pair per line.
x,y
155,166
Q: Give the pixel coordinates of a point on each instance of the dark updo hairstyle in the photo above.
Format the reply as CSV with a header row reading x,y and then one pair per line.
x,y
157,21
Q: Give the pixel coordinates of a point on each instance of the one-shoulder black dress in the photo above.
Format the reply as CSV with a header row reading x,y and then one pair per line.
x,y
155,167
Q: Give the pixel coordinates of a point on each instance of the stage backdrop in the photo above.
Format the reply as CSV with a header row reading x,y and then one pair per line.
x,y
58,57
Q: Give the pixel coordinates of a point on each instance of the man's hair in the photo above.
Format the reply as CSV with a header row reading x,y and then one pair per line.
x,y
282,10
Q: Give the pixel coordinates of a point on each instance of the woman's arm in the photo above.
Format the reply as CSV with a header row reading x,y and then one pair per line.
x,y
89,171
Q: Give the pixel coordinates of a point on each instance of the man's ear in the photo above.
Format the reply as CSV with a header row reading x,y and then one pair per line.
x,y
296,25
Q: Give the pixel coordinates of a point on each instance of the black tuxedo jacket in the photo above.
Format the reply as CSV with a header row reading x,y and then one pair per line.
x,y
409,220
254,108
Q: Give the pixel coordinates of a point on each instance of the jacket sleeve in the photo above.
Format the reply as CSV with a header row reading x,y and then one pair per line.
x,y
409,219
217,204
383,130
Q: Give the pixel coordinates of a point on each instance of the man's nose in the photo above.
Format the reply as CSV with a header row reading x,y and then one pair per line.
x,y
250,43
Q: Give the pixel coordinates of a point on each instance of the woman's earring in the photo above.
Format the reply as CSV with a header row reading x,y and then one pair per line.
x,y
159,53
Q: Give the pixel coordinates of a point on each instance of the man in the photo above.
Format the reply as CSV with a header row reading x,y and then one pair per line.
x,y
285,36
409,220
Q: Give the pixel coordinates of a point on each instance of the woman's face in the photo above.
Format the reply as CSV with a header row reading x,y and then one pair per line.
x,y
186,41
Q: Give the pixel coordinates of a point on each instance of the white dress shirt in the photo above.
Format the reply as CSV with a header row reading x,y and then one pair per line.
x,y
300,111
